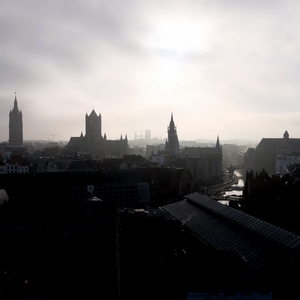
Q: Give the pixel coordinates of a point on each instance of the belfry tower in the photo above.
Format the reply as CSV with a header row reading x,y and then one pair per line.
x,y
15,125
172,144
93,126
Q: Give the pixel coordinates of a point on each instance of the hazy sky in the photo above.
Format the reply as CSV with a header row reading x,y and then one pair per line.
x,y
227,68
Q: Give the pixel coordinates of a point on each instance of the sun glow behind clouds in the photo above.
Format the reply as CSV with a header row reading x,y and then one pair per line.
x,y
178,36
172,39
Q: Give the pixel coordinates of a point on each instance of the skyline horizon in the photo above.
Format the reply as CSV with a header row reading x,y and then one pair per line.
x,y
223,68
207,139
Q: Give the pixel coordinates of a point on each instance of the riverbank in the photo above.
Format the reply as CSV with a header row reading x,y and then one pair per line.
x,y
229,179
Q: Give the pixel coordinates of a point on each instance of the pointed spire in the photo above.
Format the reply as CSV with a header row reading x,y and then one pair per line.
x,y
121,137
172,124
218,143
126,137
105,136
172,121
16,102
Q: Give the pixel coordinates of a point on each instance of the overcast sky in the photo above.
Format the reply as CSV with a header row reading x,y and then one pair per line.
x,y
227,68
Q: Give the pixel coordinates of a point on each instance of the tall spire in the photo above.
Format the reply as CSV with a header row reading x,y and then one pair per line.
x,y
172,125
218,142
15,125
172,144
16,102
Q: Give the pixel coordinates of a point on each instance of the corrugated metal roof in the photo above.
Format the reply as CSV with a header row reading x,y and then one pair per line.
x,y
214,232
268,231
226,228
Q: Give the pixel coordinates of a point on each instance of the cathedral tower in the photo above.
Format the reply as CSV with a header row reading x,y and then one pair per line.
x,y
93,127
15,125
172,144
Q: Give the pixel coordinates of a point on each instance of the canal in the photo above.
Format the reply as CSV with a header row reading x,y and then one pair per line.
x,y
234,192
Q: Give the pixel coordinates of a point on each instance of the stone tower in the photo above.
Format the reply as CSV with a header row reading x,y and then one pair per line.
x,y
172,144
15,125
93,127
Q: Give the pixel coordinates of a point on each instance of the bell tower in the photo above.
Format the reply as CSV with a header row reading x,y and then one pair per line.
x,y
172,144
15,125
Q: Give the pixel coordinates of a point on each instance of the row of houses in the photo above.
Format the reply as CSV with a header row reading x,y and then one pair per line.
x,y
13,168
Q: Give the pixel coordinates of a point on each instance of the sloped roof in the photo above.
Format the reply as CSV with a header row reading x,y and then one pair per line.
x,y
273,143
226,228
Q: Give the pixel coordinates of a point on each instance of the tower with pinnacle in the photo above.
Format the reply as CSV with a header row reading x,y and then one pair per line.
x,y
15,125
172,144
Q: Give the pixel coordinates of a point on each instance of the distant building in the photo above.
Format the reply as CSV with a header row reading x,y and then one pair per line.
x,y
268,149
148,135
232,154
154,150
95,143
15,125
204,163
172,144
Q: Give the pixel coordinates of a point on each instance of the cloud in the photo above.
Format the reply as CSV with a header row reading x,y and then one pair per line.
x,y
222,67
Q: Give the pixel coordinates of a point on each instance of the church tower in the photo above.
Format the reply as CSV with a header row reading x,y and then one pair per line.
x,y
172,144
15,125
93,127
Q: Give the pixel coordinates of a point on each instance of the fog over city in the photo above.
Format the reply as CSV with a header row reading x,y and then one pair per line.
x,y
227,68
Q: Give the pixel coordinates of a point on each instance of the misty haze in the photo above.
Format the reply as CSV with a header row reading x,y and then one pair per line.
x,y
149,150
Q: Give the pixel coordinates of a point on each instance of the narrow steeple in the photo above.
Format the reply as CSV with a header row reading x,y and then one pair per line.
x,y
15,125
172,125
172,143
218,142
15,102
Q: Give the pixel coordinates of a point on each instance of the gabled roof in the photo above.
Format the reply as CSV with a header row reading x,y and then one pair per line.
x,y
267,143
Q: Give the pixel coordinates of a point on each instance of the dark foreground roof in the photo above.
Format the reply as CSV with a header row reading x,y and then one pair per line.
x,y
226,228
